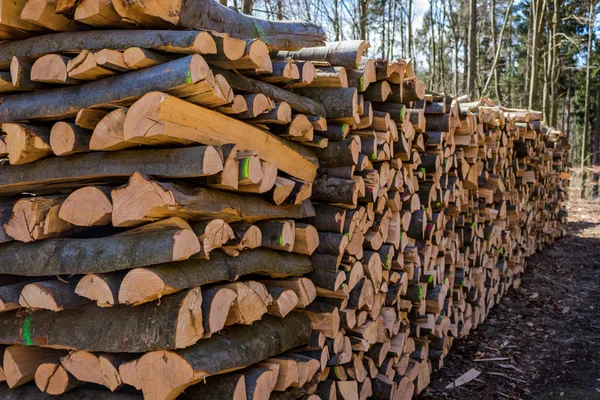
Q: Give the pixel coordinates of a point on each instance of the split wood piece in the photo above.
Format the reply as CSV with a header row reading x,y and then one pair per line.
x,y
20,74
174,323
53,295
66,138
54,379
303,287
84,366
160,242
43,13
31,392
255,58
88,118
9,295
301,192
52,68
345,54
100,14
307,72
341,153
228,48
67,7
179,76
282,189
297,103
328,218
197,362
245,236
269,176
161,119
211,16
284,301
87,206
261,380
281,114
237,106
108,134
335,190
228,178
212,234
230,386
300,129
324,318
139,58
12,25
217,303
20,363
146,284
379,91
247,307
185,42
26,143
283,72
210,94
256,104
101,288
339,103
36,218
143,199
278,234
306,239
84,67
112,59
109,368
288,372
412,90
330,77
79,169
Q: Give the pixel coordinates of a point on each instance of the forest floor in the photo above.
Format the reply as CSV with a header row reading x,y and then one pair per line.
x,y
546,333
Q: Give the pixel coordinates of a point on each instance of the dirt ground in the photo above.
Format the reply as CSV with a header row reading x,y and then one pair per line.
x,y
547,332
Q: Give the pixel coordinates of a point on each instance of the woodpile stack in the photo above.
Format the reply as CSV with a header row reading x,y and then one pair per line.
x,y
239,211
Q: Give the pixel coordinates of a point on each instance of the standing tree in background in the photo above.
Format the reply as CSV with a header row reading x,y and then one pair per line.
x,y
472,67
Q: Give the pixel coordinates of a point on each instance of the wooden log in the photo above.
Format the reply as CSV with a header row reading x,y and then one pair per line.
x,y
255,58
334,190
412,90
229,386
237,106
79,169
109,134
109,368
88,118
137,203
99,13
345,54
306,239
54,379
111,59
330,77
278,234
163,241
303,287
43,13
62,103
84,366
175,323
217,302
146,284
186,42
261,380
210,16
284,301
52,68
26,143
280,115
265,338
247,307
283,72
51,295
245,236
20,74
101,288
138,58
87,206
176,123
30,392
9,295
342,153
212,234
84,67
20,363
339,103
67,138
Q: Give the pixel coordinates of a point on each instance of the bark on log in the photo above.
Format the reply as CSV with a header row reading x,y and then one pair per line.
x,y
26,143
211,16
53,378
51,295
186,42
163,241
33,393
345,54
146,200
121,89
141,285
222,387
101,288
164,375
67,138
174,323
20,363
74,171
339,103
84,366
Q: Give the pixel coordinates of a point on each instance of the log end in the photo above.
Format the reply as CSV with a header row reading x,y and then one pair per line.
x,y
87,206
93,287
36,296
142,285
189,321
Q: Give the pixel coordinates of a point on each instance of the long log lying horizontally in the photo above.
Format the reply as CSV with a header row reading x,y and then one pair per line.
x,y
30,392
160,242
80,169
176,322
165,374
210,15
120,89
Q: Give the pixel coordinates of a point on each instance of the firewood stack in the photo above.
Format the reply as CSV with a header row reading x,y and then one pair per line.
x,y
249,213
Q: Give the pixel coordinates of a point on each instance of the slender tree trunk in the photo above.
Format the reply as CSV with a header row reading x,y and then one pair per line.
x,y
336,20
410,32
586,117
538,15
555,67
392,43
432,51
247,6
596,139
568,124
279,10
496,45
235,5
383,29
529,46
472,47
223,2
363,5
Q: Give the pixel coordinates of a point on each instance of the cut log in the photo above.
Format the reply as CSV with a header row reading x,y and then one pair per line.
x,y
108,133
84,366
284,301
144,200
20,74
30,392
212,234
53,378
330,77
175,323
303,287
261,380
101,288
247,308
164,375
278,234
255,58
339,103
26,143
269,175
87,206
345,54
52,68
9,295
98,13
146,284
43,13
109,368
211,16
88,118
163,241
67,138
217,302
121,89
245,236
79,169
166,119
222,387
51,295
237,106
186,42
280,115
138,58
306,239
20,363
84,67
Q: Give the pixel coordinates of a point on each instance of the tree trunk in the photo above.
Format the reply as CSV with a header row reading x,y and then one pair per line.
x,y
597,139
472,48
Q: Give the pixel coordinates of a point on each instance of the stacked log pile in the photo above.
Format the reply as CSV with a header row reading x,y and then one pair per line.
x,y
248,213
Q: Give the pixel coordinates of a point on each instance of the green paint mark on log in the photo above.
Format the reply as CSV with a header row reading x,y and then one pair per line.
x,y
420,293
245,168
374,156
188,77
26,333
361,83
280,240
344,127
